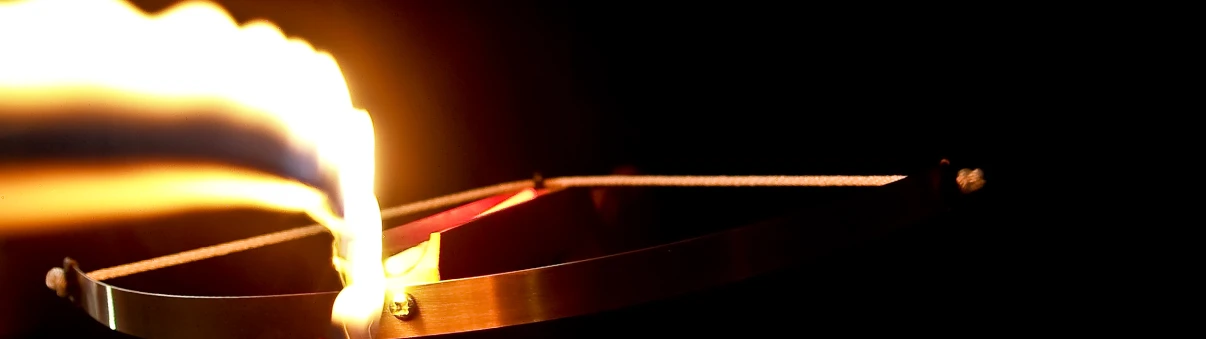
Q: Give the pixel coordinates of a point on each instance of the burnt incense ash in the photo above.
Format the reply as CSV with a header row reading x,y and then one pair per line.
x,y
108,113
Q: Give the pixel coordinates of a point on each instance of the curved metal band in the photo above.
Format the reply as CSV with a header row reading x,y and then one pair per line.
x,y
151,315
534,295
626,279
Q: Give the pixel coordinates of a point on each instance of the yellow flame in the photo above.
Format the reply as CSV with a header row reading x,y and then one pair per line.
x,y
518,198
44,195
60,53
414,266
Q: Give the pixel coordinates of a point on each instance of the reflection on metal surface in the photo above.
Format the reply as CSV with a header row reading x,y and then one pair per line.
x,y
109,307
627,279
540,294
518,198
150,315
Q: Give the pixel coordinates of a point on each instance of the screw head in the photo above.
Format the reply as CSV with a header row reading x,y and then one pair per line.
x,y
404,309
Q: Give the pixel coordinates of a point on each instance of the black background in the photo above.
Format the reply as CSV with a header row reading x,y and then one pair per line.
x,y
469,93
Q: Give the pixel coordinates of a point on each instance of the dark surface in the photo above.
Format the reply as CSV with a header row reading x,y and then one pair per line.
x,y
938,277
469,93
548,230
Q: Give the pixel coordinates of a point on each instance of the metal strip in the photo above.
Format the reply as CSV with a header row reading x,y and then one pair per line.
x,y
613,282
150,315
534,295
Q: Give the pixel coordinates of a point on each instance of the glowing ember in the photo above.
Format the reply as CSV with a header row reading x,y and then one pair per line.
x,y
416,265
60,54
519,198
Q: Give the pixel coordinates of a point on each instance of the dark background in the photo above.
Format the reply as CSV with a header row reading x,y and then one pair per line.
x,y
470,93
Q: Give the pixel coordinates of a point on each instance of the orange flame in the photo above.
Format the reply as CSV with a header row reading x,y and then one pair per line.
x,y
64,53
518,198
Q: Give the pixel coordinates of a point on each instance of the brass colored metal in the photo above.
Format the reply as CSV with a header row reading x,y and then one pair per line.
x,y
405,309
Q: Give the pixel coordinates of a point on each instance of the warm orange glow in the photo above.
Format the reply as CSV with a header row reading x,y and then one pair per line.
x,y
518,198
414,266
107,53
421,264
51,195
